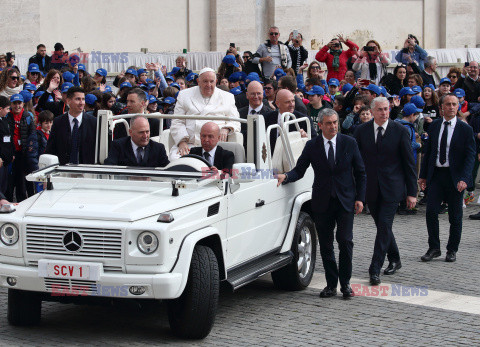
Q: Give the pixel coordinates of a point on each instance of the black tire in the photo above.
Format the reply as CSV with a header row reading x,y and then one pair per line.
x,y
192,315
290,277
24,307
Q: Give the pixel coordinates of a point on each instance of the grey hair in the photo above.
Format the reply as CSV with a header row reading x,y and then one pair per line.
x,y
328,112
377,100
429,61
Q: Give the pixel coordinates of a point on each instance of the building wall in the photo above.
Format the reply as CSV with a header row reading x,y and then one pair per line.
x,y
210,25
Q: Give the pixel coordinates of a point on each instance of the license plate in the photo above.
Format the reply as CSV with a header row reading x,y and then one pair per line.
x,y
69,271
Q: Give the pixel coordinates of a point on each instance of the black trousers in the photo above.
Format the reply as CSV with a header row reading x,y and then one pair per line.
x,y
325,225
383,213
17,180
442,188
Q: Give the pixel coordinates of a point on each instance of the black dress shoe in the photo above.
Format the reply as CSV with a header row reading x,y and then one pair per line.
x,y
431,253
475,216
375,279
451,256
392,268
347,291
328,292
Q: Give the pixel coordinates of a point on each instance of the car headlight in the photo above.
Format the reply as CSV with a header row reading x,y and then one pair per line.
x,y
147,242
9,234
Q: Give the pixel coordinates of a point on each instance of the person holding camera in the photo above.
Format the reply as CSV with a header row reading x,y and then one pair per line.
x,y
371,62
412,50
298,53
335,57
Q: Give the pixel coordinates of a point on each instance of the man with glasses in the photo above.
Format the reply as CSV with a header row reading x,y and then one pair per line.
x,y
272,54
41,58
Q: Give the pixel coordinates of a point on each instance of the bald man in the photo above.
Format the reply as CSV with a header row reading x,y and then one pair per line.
x,y
285,102
219,158
255,106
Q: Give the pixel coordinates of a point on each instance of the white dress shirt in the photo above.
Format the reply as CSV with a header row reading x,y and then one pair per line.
x,y
212,155
327,146
375,127
257,110
70,119
135,147
451,128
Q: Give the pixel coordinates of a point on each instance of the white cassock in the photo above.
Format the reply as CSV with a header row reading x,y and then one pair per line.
x,y
191,102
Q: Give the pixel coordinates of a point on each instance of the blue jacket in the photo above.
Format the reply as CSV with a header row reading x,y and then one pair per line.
x,y
37,142
419,55
411,131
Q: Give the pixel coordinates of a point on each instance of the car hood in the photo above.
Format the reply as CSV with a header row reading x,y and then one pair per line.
x,y
115,204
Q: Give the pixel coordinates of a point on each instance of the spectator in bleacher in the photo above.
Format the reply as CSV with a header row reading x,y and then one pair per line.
x,y
10,82
316,104
3,62
100,77
335,57
431,110
314,70
298,53
454,74
470,83
60,106
444,87
37,142
270,89
371,63
394,83
411,51
7,148
248,64
33,75
41,58
272,53
415,80
427,73
51,75
58,59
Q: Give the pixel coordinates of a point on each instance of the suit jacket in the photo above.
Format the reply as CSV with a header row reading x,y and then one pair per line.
x,y
223,159
347,177
390,169
37,59
272,118
121,153
244,114
60,139
461,155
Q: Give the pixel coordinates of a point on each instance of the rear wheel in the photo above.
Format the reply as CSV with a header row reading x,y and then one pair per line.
x,y
298,274
24,307
192,315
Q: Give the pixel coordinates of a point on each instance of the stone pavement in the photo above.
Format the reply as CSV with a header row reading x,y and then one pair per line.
x,y
258,314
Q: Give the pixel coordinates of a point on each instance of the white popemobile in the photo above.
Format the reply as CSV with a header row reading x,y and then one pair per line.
x,y
168,233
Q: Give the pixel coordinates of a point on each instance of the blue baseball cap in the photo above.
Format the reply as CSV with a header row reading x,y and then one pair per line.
x,y
38,94
235,77
236,90
174,70
316,90
243,76
33,68
410,108
132,72
383,91
445,80
174,84
151,86
168,100
230,59
68,76
373,88
82,67
29,86
90,99
101,72
459,92
108,89
149,80
406,91
16,97
333,82
431,86
418,101
417,89
140,71
152,99
27,96
66,86
74,59
347,87
279,73
252,76
125,84
169,77
191,76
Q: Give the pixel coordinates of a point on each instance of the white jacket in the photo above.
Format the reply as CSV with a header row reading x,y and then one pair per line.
x,y
191,102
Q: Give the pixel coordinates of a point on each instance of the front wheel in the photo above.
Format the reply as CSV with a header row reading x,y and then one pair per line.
x,y
192,315
298,274
24,307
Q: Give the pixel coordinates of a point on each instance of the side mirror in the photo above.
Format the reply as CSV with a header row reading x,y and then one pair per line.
x,y
47,160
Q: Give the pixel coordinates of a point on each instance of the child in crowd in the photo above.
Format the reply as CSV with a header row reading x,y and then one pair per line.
x,y
316,104
365,114
445,87
352,120
333,87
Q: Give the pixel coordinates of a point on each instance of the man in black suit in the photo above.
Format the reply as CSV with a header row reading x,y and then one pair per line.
x,y
338,192
447,170
72,138
387,153
255,106
286,103
41,58
137,149
219,158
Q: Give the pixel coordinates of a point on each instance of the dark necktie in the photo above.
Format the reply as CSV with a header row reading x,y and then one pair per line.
x,y
139,155
75,144
443,143
331,162
207,156
253,112
379,137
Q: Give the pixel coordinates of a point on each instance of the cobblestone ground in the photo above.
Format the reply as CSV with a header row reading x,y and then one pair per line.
x,y
258,314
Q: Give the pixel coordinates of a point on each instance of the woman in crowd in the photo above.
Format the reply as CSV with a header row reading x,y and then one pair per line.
x,y
33,75
335,57
108,100
371,63
415,80
181,82
10,82
411,51
51,75
393,83
181,62
431,110
350,77
454,74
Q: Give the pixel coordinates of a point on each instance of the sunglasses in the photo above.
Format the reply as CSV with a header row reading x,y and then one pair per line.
x,y
274,34
267,88
245,57
14,78
315,67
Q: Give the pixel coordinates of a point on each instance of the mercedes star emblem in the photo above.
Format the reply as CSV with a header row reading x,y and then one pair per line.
x,y
72,241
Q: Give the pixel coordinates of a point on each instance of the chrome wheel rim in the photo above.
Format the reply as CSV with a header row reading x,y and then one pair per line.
x,y
304,248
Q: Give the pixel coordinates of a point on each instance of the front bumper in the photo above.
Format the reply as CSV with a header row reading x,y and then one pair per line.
x,y
158,286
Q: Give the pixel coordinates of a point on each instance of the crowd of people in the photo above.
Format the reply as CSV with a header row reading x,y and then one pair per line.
x,y
51,108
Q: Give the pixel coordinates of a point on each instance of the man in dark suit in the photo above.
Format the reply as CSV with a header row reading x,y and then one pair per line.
x,y
387,153
290,83
219,158
41,58
338,192
447,170
286,103
255,106
73,134
137,149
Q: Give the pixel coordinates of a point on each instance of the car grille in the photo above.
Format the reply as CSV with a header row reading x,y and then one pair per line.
x,y
97,243
61,286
